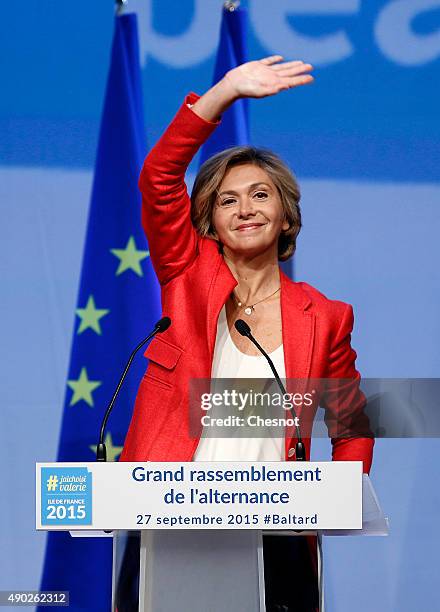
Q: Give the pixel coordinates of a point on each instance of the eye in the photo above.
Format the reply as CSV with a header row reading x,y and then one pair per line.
x,y
227,202
260,195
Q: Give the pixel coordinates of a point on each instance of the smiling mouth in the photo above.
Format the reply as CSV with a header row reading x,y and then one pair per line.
x,y
250,227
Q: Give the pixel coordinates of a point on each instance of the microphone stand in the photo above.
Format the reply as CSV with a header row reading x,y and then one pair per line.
x,y
101,451
243,328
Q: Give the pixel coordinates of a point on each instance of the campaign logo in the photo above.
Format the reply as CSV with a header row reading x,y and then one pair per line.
x,y
66,496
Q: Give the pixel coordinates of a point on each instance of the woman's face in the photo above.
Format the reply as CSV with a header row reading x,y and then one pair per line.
x,y
248,216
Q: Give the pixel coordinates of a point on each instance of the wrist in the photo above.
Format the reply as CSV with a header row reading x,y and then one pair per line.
x,y
230,91
224,94
216,100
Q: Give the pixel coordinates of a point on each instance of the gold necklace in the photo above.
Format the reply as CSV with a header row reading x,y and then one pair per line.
x,y
249,309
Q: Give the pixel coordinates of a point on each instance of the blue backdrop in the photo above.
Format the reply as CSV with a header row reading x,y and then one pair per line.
x,y
363,141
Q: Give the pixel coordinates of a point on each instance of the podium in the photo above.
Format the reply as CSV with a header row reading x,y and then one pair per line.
x,y
185,566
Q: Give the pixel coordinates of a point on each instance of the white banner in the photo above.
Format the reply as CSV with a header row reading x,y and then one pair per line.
x,y
202,495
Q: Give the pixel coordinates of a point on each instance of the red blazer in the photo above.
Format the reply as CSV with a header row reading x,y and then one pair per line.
x,y
195,284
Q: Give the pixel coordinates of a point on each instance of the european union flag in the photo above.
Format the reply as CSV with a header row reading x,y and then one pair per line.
x,y
118,305
231,52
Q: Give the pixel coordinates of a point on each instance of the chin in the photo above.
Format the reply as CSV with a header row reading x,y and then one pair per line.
x,y
252,250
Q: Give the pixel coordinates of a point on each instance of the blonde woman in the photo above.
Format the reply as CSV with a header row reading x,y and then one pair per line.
x,y
217,257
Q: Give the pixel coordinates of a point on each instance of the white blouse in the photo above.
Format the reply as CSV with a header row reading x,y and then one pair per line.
x,y
230,362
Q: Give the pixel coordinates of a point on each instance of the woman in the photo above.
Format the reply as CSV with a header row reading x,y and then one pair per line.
x,y
216,257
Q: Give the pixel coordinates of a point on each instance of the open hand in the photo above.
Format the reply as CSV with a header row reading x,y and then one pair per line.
x,y
268,76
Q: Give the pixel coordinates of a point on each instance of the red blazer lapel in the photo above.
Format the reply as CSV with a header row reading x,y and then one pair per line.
x,y
298,328
223,282
298,336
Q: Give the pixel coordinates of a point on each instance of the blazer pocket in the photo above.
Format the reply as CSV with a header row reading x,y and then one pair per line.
x,y
163,357
147,377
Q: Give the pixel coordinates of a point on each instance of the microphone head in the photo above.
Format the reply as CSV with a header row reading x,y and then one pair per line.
x,y
242,327
163,324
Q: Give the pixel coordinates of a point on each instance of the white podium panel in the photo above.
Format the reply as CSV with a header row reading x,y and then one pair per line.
x,y
202,495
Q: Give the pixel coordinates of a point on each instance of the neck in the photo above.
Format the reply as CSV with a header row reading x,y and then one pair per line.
x,y
257,277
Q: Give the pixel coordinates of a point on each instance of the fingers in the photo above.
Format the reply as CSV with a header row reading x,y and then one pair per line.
x,y
303,79
291,73
286,65
294,71
272,59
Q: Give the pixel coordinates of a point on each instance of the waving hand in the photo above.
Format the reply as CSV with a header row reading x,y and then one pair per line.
x,y
268,76
256,79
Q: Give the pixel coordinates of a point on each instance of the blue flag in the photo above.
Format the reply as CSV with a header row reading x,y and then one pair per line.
x,y
232,51
118,305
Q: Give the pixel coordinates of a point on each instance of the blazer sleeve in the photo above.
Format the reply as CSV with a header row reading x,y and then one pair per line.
x,y
348,425
172,239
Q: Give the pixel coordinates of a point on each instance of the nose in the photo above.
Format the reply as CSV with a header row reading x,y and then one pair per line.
x,y
245,207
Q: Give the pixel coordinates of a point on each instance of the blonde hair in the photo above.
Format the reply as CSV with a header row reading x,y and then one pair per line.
x,y
211,174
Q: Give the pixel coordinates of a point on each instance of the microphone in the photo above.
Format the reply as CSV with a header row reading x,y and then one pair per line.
x,y
243,328
101,451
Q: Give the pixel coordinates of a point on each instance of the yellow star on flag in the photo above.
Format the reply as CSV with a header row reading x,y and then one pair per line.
x,y
112,451
90,316
83,388
130,257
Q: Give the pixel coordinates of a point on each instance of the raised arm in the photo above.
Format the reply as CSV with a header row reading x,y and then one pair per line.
x,y
172,239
